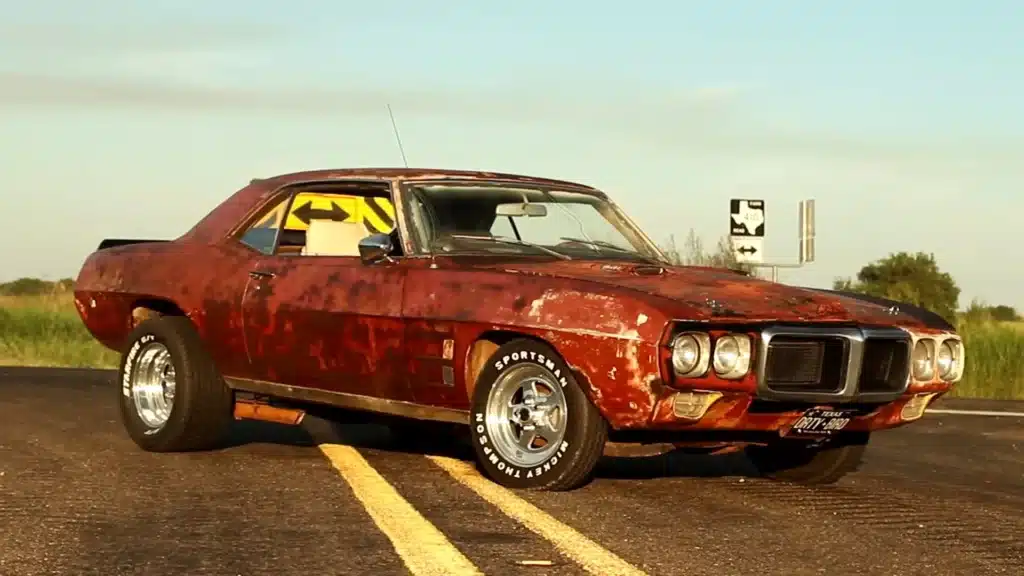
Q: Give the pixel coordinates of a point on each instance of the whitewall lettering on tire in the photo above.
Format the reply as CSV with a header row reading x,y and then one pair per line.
x,y
129,363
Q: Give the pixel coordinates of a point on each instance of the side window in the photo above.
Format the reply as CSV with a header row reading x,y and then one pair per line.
x,y
329,223
332,223
262,235
375,214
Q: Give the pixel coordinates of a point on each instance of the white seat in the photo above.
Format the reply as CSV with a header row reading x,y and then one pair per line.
x,y
332,238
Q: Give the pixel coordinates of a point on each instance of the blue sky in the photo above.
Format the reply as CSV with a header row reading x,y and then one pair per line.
x,y
902,119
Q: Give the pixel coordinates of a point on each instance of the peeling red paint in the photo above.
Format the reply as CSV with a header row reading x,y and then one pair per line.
x,y
336,324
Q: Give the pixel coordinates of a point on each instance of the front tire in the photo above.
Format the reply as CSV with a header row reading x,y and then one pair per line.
x,y
525,395
801,463
172,398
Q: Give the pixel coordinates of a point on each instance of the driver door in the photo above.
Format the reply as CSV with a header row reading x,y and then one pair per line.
x,y
315,316
329,323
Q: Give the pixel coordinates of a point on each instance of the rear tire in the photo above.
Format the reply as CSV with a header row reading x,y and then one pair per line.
x,y
172,398
800,463
499,431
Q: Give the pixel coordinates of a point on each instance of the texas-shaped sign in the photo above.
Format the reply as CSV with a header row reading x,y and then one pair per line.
x,y
746,217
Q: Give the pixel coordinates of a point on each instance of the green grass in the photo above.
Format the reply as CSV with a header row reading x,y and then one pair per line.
x,y
995,360
46,331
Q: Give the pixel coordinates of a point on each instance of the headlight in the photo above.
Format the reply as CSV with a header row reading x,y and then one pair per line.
x,y
732,356
923,359
944,359
950,359
690,351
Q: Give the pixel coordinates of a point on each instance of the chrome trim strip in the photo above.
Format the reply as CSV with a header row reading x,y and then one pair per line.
x,y
850,391
351,401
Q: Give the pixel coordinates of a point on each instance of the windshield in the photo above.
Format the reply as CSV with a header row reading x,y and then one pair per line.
x,y
475,218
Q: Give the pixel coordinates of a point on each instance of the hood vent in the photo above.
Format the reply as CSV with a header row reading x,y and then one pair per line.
x,y
648,270
639,270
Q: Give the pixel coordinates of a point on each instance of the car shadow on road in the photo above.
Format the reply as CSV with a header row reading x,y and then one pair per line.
x,y
441,441
675,464
430,439
252,432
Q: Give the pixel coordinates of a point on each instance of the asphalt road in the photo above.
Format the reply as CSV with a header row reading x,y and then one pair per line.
x,y
944,496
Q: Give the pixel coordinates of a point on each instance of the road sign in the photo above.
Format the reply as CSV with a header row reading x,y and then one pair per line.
x,y
746,218
747,249
746,234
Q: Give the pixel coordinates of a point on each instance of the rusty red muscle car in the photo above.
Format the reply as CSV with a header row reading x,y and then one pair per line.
x,y
531,314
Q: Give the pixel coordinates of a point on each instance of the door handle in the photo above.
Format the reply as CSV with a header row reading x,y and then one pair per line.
x,y
260,274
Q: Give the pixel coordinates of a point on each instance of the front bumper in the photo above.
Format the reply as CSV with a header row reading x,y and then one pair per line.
x,y
740,412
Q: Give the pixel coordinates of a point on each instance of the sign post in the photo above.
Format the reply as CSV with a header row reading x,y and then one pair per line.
x,y
746,234
806,231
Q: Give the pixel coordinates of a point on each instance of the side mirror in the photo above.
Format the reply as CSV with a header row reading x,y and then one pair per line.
x,y
375,248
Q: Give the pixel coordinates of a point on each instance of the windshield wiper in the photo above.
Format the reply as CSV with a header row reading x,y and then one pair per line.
x,y
608,245
517,242
600,243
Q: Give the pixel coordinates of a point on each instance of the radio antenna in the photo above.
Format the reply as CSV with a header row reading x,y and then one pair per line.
x,y
398,138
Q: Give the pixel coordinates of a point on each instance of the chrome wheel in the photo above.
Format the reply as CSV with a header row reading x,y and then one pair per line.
x,y
526,413
153,385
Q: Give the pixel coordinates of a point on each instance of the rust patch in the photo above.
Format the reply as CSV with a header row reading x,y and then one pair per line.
x,y
140,314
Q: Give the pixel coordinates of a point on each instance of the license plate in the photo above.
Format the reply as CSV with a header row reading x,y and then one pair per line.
x,y
820,422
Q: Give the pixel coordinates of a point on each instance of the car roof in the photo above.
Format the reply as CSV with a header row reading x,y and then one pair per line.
x,y
395,173
222,218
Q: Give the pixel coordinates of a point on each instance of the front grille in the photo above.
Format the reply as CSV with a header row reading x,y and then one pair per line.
x,y
805,364
885,366
814,364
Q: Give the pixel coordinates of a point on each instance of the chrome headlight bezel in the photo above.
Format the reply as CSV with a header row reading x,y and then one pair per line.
x,y
931,370
945,361
738,346
701,344
922,360
956,367
694,355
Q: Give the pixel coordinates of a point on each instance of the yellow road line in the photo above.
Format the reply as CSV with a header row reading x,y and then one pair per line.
x,y
575,546
423,548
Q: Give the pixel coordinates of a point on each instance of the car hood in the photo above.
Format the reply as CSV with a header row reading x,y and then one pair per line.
x,y
719,293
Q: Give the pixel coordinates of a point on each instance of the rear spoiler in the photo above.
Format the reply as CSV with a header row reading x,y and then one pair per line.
x,y
115,242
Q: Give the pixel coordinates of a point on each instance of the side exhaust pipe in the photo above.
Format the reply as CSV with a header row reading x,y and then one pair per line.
x,y
245,410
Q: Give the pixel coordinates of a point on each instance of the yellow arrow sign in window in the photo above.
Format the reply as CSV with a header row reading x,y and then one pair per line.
x,y
376,214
